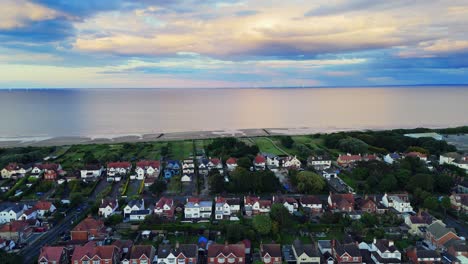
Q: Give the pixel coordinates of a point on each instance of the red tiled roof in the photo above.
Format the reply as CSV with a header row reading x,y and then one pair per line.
x,y
90,250
238,250
349,158
215,161
89,223
43,205
343,199
369,157
119,164
259,159
265,203
48,166
108,202
193,200
416,154
220,199
14,226
273,250
231,161
310,199
148,163
163,201
251,200
51,254
139,250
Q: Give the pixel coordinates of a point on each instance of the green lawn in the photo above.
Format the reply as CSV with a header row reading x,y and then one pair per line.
x,y
267,146
180,149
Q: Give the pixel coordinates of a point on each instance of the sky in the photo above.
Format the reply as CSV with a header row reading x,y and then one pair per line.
x,y
231,43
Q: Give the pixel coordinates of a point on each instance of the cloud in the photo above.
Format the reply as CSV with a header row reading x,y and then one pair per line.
x,y
20,13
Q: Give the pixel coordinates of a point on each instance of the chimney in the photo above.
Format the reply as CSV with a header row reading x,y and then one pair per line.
x,y
390,243
374,241
177,244
226,243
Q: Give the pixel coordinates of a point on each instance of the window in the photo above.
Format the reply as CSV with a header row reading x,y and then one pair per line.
x,y
96,262
143,261
231,260
134,261
85,262
220,260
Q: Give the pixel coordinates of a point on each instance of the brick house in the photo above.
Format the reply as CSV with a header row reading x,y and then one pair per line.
x,y
164,208
438,234
181,254
90,253
346,253
87,229
53,255
312,202
368,205
338,202
140,254
423,256
228,253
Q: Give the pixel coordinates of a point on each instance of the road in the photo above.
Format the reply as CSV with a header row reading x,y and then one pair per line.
x,y
31,251
462,230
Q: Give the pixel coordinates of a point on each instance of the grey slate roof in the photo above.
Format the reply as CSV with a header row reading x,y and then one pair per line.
x,y
438,230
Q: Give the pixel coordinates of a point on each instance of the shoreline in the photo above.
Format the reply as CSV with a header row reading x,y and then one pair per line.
x,y
45,141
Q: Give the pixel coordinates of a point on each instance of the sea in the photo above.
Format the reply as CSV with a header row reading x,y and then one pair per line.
x,y
119,112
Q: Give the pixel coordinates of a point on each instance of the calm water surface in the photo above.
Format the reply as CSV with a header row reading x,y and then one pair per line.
x,y
80,112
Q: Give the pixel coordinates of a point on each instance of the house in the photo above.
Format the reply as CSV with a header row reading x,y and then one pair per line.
x,y
91,171
186,178
329,174
140,254
45,167
254,206
181,254
272,161
346,253
44,207
458,250
368,204
288,202
348,159
149,168
463,186
291,162
11,213
423,256
88,229
188,166
164,208
108,207
231,164
118,168
29,213
53,255
382,251
455,159
7,245
319,162
370,157
215,163
415,154
149,181
195,208
139,215
419,222
305,253
341,202
228,253
311,202
50,175
17,230
227,208
459,202
172,168
399,202
259,162
390,158
133,206
15,170
90,253
439,235
271,253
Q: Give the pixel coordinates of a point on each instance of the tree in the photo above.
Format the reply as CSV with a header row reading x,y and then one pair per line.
x,y
262,224
244,162
215,181
234,232
287,141
158,187
430,203
114,220
445,204
309,182
421,180
353,145
279,214
388,183
417,149
89,158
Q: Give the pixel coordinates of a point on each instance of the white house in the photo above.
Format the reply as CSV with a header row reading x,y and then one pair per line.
x,y
108,207
44,207
27,214
133,206
91,171
305,253
188,166
118,168
391,157
195,208
291,162
399,202
311,202
272,161
215,163
382,251
150,168
186,178
15,169
319,162
455,159
259,162
12,213
231,164
227,208
288,202
139,215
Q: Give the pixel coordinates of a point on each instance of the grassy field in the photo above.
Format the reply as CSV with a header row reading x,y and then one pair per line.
x,y
265,145
180,149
